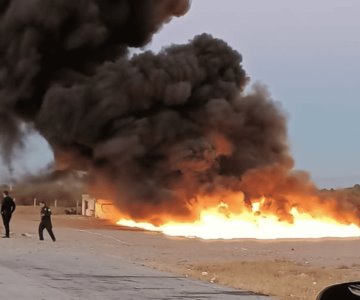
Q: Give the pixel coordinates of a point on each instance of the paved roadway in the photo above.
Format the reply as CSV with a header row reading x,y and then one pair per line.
x,y
34,270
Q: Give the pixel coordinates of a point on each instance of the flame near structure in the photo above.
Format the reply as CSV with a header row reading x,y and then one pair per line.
x,y
220,223
215,225
176,139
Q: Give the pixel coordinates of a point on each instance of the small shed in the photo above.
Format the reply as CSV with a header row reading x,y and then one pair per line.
x,y
98,208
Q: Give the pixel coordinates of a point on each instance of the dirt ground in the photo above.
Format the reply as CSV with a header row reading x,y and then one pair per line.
x,y
284,269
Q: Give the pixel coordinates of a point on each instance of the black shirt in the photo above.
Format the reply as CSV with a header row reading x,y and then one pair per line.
x,y
8,205
45,214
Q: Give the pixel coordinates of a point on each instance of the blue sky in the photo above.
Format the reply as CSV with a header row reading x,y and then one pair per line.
x,y
307,53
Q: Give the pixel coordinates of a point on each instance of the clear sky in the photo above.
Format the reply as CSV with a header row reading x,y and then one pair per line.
x,y
308,54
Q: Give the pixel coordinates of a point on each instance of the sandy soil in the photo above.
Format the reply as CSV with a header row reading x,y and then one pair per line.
x,y
285,269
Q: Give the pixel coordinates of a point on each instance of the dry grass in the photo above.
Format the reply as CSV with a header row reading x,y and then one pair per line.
x,y
285,280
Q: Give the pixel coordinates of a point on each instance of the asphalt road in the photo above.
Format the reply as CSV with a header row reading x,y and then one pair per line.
x,y
30,269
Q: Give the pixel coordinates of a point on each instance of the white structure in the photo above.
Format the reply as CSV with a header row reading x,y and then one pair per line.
x,y
98,208
88,205
105,209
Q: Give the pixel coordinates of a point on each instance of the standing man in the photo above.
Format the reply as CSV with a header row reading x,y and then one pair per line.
x,y
7,208
45,222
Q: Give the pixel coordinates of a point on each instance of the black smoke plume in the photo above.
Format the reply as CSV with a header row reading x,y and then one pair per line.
x,y
154,130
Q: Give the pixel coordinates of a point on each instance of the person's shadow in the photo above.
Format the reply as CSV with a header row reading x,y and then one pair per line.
x,y
343,291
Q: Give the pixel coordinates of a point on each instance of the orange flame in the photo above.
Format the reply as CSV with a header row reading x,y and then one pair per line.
x,y
220,222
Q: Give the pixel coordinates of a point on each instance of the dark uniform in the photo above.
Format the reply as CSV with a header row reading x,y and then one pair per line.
x,y
7,208
46,223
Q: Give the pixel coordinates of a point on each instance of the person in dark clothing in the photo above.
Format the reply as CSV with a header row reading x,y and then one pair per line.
x,y
7,208
45,222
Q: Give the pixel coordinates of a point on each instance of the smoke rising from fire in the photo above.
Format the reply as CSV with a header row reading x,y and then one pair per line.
x,y
155,131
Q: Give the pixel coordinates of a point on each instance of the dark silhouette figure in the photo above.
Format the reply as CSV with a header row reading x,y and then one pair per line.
x,y
45,222
343,291
7,208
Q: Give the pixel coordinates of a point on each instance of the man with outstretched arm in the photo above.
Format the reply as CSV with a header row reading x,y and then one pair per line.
x,y
45,222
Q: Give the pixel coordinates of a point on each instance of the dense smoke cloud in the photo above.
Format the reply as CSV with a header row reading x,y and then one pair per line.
x,y
61,43
154,130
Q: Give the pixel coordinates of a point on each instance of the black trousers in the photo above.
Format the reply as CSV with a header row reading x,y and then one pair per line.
x,y
6,220
48,226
